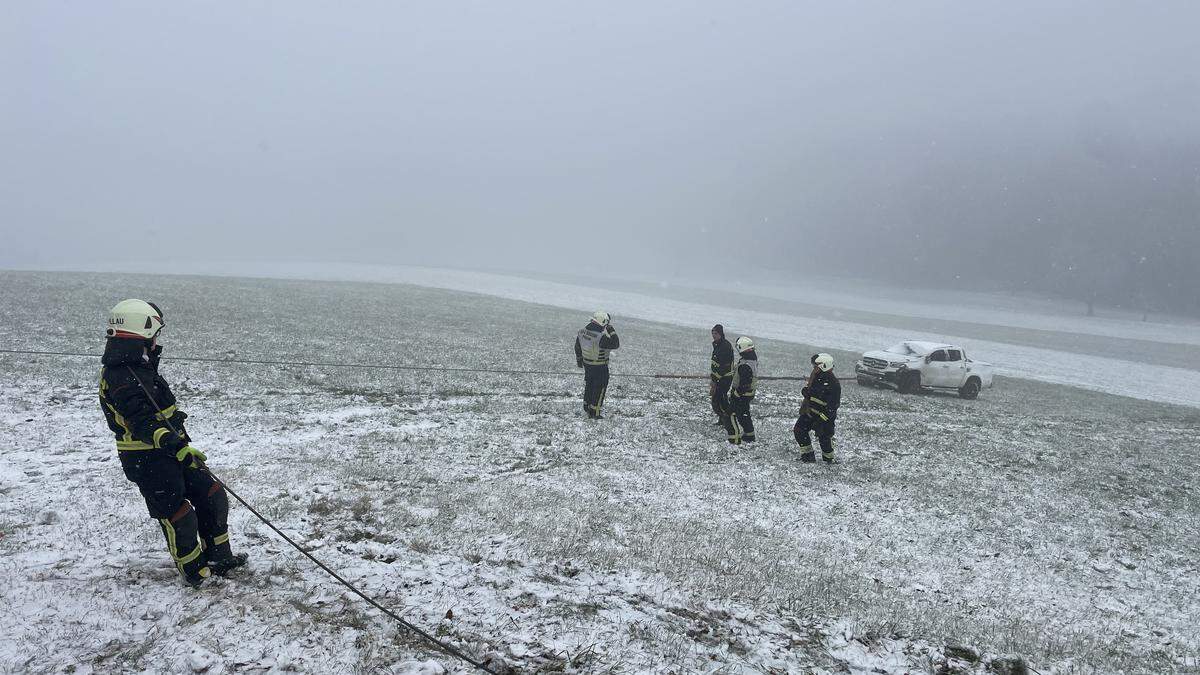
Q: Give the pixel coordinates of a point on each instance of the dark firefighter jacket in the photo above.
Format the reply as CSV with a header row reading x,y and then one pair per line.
x,y
608,342
129,412
824,396
722,361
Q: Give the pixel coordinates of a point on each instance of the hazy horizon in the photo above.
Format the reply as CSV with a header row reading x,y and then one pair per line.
x,y
1047,148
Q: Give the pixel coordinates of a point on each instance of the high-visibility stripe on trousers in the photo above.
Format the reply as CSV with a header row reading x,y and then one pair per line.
x,y
741,425
817,424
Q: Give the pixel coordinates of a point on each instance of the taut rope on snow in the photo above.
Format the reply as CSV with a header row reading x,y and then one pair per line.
x,y
446,647
385,366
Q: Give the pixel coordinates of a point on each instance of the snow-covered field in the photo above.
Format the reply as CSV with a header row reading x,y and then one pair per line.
x,y
1050,523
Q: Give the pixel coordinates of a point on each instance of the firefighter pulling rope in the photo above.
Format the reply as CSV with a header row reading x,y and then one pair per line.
x,y
447,648
190,504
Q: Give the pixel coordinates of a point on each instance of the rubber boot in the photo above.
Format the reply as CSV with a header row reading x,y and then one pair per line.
x,y
223,566
221,559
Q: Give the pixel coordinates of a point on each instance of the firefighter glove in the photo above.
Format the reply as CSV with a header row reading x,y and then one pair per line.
x,y
173,441
190,455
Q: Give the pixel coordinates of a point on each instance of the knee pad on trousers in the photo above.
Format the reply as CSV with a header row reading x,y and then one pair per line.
x,y
213,514
181,531
214,521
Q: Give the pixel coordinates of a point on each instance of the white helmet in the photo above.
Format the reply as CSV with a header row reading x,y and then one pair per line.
x,y
134,318
823,362
601,317
743,343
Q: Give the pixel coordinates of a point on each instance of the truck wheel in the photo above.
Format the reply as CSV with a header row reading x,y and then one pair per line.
x,y
970,390
864,381
910,383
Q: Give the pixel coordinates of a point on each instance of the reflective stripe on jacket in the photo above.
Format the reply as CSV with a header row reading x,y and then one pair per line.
x,y
130,413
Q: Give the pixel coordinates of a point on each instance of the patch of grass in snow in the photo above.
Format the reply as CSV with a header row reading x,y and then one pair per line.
x,y
123,655
8,539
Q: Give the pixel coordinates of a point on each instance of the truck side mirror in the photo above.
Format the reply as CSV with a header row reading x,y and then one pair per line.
x,y
929,358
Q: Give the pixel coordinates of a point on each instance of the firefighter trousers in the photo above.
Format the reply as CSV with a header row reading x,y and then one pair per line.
x,y
720,398
595,386
740,426
190,507
810,423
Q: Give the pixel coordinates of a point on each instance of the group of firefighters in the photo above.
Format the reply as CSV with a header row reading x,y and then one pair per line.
x,y
731,386
191,506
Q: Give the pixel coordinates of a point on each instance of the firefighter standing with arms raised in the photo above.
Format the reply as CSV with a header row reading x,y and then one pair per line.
x,y
593,344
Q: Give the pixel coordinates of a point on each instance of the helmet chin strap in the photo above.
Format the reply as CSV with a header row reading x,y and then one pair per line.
x,y
148,347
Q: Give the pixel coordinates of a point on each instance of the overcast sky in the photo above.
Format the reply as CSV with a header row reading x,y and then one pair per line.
x,y
636,135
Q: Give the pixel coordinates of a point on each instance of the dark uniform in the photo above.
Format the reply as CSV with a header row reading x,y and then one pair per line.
x,y
190,507
592,347
745,380
823,396
721,377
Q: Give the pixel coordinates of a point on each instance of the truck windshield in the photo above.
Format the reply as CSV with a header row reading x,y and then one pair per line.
x,y
903,349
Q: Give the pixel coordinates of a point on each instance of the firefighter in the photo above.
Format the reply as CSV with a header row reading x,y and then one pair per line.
x,y
741,392
155,450
720,376
819,409
592,346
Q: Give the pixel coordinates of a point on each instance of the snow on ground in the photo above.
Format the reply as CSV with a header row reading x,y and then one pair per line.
x,y
1039,522
1132,378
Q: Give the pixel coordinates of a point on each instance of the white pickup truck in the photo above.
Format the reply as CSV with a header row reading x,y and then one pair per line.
x,y
913,365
